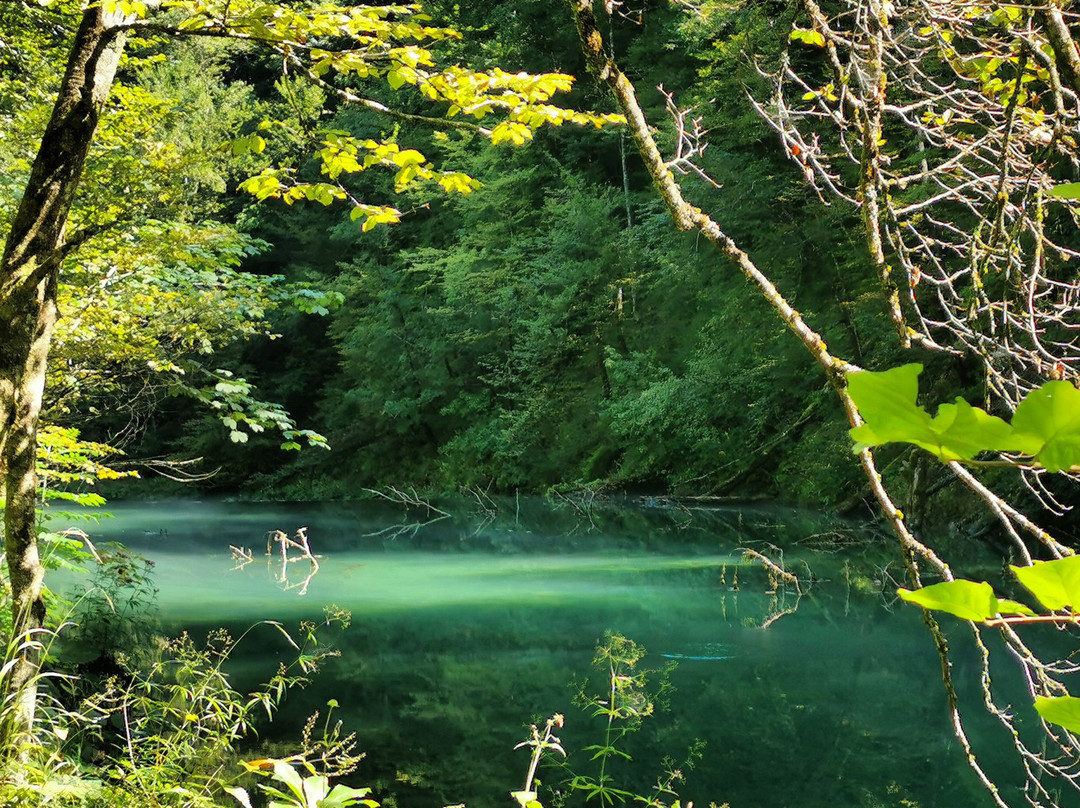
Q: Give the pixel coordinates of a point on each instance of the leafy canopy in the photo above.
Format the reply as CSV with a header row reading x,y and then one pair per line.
x,y
386,50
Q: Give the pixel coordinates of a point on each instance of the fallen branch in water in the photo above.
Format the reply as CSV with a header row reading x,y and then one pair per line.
x,y
776,572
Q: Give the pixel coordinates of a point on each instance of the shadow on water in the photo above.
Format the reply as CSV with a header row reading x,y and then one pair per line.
x,y
468,627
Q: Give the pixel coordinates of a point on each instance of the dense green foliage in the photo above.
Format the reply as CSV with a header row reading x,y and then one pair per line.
x,y
550,329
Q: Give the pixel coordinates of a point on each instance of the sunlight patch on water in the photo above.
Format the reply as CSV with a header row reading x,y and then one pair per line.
x,y
206,586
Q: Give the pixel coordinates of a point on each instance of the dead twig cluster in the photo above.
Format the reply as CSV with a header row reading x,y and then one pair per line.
x,y
949,123
279,542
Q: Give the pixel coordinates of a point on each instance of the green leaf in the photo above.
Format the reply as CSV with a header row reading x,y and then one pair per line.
x,y
286,774
263,186
1055,583
524,798
1070,190
966,431
809,37
342,796
1006,606
968,600
886,401
1047,425
1061,710
248,143
316,789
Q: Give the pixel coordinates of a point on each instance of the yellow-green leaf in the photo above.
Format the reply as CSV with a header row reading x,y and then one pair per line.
x,y
1062,710
968,600
457,182
1068,190
807,36
1055,583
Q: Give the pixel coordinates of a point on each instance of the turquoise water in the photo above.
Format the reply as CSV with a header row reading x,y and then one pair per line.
x,y
466,628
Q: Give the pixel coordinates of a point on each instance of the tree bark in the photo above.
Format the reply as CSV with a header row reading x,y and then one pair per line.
x,y
29,273
1066,53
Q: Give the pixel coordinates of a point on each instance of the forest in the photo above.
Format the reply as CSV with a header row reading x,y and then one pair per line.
x,y
551,330
703,251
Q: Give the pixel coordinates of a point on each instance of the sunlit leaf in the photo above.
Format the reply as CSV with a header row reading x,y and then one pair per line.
x,y
240,795
1055,583
457,182
887,403
286,774
809,37
1047,425
516,133
1061,710
967,431
968,600
409,157
342,796
1012,607
1070,190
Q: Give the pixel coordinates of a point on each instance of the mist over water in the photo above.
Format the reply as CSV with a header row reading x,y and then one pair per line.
x,y
468,627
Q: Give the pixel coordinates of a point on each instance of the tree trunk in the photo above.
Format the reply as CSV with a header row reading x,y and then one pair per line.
x,y
28,281
32,327
1066,53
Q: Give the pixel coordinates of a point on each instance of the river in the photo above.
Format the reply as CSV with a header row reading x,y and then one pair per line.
x,y
467,627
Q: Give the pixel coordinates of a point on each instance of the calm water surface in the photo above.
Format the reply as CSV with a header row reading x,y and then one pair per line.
x,y
466,628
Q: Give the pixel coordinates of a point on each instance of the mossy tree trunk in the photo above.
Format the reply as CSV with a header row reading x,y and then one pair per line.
x,y
28,313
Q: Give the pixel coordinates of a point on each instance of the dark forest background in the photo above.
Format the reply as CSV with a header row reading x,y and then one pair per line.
x,y
550,329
